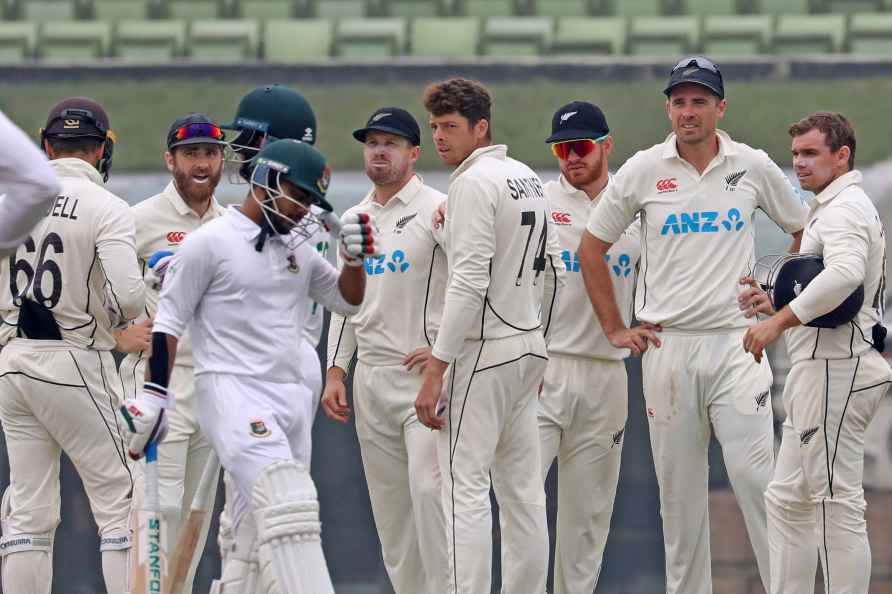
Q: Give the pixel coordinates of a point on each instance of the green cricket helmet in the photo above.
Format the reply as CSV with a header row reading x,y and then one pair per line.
x,y
301,165
271,112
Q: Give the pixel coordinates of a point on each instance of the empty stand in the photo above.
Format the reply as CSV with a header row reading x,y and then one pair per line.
x,y
604,35
517,36
871,34
457,37
149,41
809,34
225,40
17,41
737,35
74,41
298,40
664,36
371,38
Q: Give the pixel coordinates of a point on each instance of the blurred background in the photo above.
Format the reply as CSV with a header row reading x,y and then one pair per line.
x,y
150,61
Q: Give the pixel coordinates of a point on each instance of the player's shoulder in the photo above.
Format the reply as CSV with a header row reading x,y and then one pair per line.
x,y
150,205
428,198
641,161
740,153
854,199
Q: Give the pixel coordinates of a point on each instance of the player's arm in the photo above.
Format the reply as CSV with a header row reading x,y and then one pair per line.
x,y
116,249
555,278
470,216
27,183
779,200
341,348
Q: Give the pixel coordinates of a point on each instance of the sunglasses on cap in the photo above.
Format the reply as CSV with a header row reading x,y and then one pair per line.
x,y
698,62
199,131
562,150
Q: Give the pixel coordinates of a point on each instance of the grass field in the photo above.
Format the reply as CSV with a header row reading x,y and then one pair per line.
x,y
758,113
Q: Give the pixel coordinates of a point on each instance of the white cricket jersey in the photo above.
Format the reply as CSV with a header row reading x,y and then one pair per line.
x,y
162,224
83,248
406,283
575,329
245,309
496,237
321,242
844,227
697,230
28,185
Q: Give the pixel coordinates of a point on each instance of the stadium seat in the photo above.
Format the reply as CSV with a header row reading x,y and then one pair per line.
x,y
193,9
338,9
412,8
783,6
489,8
149,41
871,34
604,35
74,41
710,7
44,11
809,34
517,36
664,36
266,10
743,34
230,40
635,8
852,6
17,41
563,8
456,37
370,38
116,10
298,41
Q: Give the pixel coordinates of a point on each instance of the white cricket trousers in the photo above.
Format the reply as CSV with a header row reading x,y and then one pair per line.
x,y
694,385
816,499
582,416
399,456
491,437
57,398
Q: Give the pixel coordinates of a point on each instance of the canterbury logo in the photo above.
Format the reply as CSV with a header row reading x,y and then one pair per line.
x,y
667,185
401,223
568,115
176,236
618,437
761,400
561,218
733,179
381,116
807,435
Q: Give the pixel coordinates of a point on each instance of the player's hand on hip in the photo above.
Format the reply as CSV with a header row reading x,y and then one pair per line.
x,y
135,338
753,300
156,268
334,401
145,418
358,238
759,336
438,219
636,339
417,358
426,404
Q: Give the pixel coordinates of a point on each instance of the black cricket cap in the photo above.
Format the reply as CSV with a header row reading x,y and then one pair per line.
x,y
393,120
77,117
697,70
578,120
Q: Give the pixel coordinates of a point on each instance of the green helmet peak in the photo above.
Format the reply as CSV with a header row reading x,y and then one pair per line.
x,y
276,112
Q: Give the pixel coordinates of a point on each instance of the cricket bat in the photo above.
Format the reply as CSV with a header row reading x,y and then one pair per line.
x,y
187,543
151,569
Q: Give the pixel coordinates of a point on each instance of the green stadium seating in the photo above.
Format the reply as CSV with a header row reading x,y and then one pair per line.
x,y
517,36
783,6
266,10
456,37
44,11
664,36
710,7
229,40
809,34
490,8
339,9
852,6
193,9
743,34
17,41
636,8
73,41
370,38
116,10
298,41
413,8
604,35
871,34
149,41
563,8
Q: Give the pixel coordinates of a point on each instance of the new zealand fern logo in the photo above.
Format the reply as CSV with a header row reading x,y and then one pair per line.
x,y
401,223
618,437
807,436
733,179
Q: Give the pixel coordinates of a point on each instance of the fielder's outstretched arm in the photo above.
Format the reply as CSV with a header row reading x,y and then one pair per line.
x,y
27,183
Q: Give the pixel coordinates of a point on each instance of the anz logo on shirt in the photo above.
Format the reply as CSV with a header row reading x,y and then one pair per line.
x,y
705,221
621,268
382,263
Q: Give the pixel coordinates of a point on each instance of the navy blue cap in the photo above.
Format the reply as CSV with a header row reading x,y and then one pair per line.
x,y
697,70
578,120
197,129
392,120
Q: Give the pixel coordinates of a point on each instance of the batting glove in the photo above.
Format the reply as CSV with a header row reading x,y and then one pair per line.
x,y
357,238
145,418
157,263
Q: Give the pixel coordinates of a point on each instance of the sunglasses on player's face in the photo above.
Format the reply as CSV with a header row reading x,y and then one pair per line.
x,y
562,150
199,131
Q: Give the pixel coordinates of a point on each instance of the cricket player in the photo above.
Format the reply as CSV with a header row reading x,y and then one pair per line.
x,y
491,342
241,284
696,194
392,335
584,400
29,186
836,381
194,157
58,378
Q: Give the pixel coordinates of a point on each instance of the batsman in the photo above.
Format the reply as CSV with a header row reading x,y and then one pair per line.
x,y
255,258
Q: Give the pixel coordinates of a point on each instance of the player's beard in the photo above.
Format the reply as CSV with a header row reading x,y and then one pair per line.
x,y
194,192
390,175
580,177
